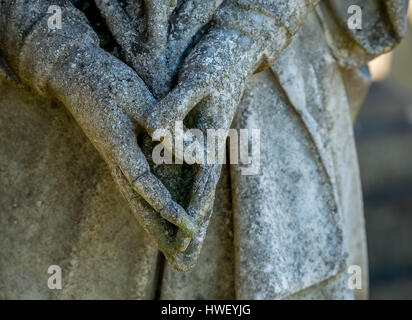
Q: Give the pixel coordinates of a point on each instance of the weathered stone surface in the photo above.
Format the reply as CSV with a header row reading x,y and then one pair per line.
x,y
59,206
290,231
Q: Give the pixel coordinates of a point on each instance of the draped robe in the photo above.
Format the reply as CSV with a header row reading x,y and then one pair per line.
x,y
290,232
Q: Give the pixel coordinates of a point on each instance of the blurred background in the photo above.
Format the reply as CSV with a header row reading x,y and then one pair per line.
x,y
383,134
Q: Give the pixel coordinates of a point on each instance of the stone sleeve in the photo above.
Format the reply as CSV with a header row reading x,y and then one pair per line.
x,y
270,23
382,29
31,49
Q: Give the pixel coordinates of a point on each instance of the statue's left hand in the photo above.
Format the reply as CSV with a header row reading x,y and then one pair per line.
x,y
211,83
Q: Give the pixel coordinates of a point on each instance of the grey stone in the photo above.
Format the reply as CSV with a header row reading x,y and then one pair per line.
x,y
288,68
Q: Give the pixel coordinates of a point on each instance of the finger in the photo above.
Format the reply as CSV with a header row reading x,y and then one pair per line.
x,y
159,12
156,194
117,140
202,199
215,113
184,261
117,19
154,225
174,107
157,228
169,114
202,195
182,241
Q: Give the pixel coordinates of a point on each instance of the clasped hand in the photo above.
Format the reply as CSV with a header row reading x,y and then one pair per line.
x,y
112,110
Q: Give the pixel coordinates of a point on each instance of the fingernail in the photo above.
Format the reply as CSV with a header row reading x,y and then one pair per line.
x,y
181,218
182,241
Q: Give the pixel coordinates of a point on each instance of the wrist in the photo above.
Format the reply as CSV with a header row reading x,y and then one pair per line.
x,y
89,75
40,52
222,51
269,36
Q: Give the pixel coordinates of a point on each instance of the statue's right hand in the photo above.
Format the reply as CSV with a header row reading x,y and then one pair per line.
x,y
107,99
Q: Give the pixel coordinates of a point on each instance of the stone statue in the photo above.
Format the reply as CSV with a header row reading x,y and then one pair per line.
x,y
125,69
